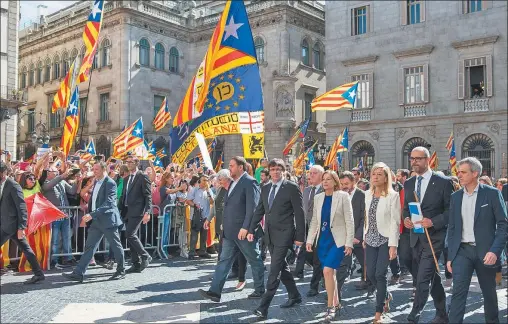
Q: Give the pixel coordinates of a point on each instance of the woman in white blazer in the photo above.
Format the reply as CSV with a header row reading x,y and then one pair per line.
x,y
381,233
332,228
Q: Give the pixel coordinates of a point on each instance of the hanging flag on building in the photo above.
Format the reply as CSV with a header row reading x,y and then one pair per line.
x,y
63,95
343,96
91,40
434,161
253,145
163,116
230,83
71,123
301,131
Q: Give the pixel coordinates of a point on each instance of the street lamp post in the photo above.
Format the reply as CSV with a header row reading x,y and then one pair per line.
x,y
40,134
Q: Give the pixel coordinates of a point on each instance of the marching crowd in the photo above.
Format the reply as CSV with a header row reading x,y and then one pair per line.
x,y
324,220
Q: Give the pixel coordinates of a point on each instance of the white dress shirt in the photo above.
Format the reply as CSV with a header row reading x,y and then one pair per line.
x,y
278,184
467,212
233,184
2,185
425,183
315,190
352,193
96,189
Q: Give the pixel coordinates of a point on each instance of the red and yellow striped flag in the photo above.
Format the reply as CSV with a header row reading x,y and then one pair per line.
x,y
63,95
40,242
129,139
71,124
343,96
90,38
163,116
434,161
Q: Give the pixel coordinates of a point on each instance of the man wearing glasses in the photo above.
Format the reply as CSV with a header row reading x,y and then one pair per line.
x,y
433,191
281,202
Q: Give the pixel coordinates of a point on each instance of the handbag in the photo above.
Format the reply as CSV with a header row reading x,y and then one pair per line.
x,y
196,222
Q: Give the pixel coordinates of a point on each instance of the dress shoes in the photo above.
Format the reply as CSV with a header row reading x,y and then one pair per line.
x,y
74,277
440,320
117,275
312,293
145,263
291,302
210,295
34,279
261,316
298,276
135,268
362,285
255,295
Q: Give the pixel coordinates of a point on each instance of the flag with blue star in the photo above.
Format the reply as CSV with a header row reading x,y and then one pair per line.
x,y
89,150
129,139
230,81
71,123
161,153
343,96
157,164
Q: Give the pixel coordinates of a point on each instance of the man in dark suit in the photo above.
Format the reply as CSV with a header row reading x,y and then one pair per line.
x,y
14,220
476,238
281,202
357,196
103,211
239,206
314,188
135,206
433,192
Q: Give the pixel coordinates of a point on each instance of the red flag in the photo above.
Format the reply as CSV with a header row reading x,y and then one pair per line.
x,y
41,212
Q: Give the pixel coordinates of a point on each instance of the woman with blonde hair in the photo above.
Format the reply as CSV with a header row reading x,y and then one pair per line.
x,y
332,228
486,181
381,233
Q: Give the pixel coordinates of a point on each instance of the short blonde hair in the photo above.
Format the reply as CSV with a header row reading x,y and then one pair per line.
x,y
388,175
335,178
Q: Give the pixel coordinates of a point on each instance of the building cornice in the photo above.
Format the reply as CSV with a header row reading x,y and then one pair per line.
x,y
475,42
421,50
360,60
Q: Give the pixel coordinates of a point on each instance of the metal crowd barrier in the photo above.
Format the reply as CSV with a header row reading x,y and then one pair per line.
x,y
172,229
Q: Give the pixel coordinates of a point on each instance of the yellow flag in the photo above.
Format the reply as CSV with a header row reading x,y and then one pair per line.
x,y
253,145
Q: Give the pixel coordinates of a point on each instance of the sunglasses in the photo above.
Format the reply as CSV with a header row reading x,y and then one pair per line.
x,y
31,178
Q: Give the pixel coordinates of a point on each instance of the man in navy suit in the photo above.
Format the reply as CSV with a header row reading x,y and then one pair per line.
x,y
103,211
433,192
476,238
239,205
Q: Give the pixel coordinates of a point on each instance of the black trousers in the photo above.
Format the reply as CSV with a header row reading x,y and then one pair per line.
x,y
137,250
427,277
378,259
203,234
312,259
25,247
343,273
279,268
463,266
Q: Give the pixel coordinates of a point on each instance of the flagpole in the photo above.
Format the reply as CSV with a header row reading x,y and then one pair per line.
x,y
87,93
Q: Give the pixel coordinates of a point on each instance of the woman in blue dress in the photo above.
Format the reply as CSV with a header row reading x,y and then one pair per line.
x,y
332,227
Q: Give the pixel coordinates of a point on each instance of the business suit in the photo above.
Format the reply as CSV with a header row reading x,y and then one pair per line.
x,y
13,218
284,224
490,229
239,204
136,201
304,256
105,222
435,206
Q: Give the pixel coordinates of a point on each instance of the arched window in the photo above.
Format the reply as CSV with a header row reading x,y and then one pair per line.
x,y
305,52
56,67
23,78
409,146
316,55
47,72
259,44
144,52
65,63
106,52
95,63
83,52
31,75
39,73
173,59
481,147
159,56
365,150
74,54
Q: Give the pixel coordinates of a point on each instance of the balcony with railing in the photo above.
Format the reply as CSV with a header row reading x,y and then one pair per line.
x,y
12,97
360,115
476,105
415,111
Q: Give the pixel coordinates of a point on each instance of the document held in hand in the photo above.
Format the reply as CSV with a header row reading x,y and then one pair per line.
x,y
416,215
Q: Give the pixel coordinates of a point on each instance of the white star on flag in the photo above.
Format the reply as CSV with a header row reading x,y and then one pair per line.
x,y
96,9
72,108
352,94
137,131
231,29
90,149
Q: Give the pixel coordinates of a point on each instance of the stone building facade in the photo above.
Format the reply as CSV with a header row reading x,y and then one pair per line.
x,y
426,68
151,49
11,98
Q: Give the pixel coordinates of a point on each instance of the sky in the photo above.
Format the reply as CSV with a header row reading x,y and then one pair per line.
x,y
29,9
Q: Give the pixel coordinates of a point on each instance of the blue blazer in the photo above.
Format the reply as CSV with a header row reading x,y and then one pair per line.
x,y
239,206
106,214
490,224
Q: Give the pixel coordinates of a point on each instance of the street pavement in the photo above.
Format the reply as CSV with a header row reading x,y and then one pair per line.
x,y
167,292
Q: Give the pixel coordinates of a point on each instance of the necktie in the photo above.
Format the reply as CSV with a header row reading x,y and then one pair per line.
x,y
272,196
311,199
419,188
127,189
